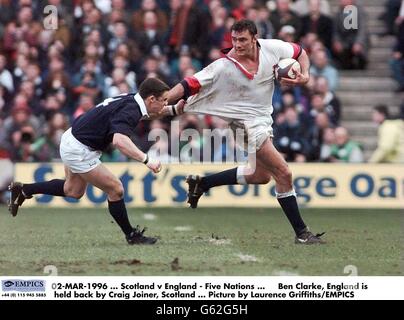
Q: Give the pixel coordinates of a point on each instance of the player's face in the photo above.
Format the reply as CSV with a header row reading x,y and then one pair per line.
x,y
243,42
157,103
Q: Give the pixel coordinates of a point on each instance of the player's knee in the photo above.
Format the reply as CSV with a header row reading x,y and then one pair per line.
x,y
78,194
74,193
116,191
285,175
120,192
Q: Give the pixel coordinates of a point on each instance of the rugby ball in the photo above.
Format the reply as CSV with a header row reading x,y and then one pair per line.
x,y
285,68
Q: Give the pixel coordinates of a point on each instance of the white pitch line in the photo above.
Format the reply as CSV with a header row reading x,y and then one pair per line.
x,y
183,228
284,273
220,242
247,258
149,216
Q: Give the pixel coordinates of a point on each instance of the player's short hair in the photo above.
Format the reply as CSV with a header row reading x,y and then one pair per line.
x,y
243,25
152,87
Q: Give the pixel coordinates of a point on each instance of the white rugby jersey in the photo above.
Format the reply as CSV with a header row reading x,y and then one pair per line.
x,y
226,89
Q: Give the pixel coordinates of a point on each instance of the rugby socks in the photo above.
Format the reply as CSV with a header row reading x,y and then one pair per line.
x,y
289,205
53,187
219,179
241,173
117,209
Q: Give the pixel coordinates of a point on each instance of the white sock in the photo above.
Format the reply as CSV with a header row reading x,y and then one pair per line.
x,y
241,175
285,194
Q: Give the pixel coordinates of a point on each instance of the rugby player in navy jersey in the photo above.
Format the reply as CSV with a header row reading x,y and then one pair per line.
x,y
112,121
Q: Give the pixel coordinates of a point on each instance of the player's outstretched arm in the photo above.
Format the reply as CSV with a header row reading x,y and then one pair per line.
x,y
176,93
170,110
303,76
129,149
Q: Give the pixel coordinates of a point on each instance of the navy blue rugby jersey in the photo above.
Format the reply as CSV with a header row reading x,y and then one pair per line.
x,y
120,114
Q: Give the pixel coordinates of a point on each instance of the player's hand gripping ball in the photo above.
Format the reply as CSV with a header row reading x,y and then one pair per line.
x,y
287,68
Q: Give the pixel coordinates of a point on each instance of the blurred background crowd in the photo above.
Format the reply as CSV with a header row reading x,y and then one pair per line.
x,y
101,48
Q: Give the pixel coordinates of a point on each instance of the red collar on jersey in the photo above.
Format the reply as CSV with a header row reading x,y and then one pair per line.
x,y
239,66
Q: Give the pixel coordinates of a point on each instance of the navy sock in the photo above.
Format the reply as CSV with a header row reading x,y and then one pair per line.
x,y
291,209
53,187
227,177
117,209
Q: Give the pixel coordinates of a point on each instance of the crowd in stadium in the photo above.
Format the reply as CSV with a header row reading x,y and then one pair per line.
x,y
49,77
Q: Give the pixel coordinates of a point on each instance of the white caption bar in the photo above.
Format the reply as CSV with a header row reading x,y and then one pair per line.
x,y
202,288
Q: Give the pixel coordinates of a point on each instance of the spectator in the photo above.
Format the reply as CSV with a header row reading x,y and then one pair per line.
x,y
50,105
290,138
397,60
392,11
344,149
330,100
351,45
57,79
21,115
46,147
318,106
188,30
151,68
260,15
283,16
240,12
21,65
318,23
86,102
218,25
119,35
119,76
63,32
120,6
302,7
308,40
322,67
21,140
6,14
27,88
316,134
33,74
3,101
6,79
149,5
150,38
287,33
328,140
184,62
24,29
390,146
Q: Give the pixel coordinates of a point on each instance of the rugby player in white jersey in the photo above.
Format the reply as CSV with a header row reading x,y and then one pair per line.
x,y
239,88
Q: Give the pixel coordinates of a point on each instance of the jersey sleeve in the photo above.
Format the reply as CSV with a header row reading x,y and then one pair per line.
x,y
282,49
203,78
125,122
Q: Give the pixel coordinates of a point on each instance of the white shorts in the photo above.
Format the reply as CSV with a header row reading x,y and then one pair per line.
x,y
251,134
78,157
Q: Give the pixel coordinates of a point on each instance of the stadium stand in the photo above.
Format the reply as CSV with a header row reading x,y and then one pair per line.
x,y
103,48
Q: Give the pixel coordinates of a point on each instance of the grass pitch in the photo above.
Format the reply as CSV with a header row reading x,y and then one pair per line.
x,y
206,241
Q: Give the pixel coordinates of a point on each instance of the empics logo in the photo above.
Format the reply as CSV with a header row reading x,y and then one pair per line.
x,y
23,285
8,284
